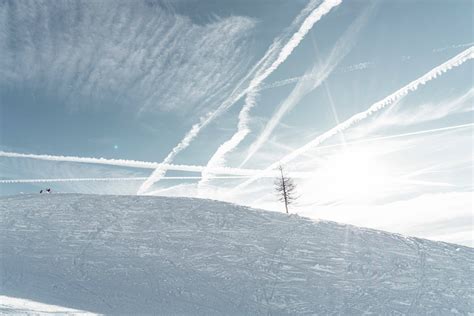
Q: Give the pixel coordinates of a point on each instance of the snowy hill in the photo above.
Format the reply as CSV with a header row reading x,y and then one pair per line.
x,y
144,255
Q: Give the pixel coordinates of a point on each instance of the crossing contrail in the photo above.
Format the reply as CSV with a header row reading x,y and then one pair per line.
x,y
236,95
146,164
218,159
305,86
374,139
456,61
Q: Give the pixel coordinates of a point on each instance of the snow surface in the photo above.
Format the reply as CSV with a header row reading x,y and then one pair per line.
x,y
19,306
157,255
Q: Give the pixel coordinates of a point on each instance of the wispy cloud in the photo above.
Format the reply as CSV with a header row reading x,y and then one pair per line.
x,y
456,61
218,159
398,115
126,54
309,15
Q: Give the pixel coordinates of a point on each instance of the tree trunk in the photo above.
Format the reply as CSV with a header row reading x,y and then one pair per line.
x,y
284,190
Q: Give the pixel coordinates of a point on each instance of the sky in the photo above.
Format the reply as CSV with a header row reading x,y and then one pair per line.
x,y
368,105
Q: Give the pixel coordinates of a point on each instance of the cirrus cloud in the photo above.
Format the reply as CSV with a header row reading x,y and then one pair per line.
x,y
99,53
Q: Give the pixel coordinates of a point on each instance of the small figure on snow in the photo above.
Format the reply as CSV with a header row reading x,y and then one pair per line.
x,y
48,190
41,191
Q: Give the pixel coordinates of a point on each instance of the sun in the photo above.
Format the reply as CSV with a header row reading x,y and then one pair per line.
x,y
353,174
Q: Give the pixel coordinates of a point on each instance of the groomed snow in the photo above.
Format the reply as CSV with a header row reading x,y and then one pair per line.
x,y
156,255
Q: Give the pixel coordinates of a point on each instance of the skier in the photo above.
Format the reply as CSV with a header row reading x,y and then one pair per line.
x,y
48,190
41,191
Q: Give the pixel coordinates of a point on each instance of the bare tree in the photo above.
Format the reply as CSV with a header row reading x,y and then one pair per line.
x,y
286,189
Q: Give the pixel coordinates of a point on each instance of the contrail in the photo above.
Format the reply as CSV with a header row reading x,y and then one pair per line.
x,y
297,175
456,61
320,72
9,181
300,175
312,76
160,170
218,158
436,50
234,97
374,139
129,163
428,131
355,67
304,174
13,181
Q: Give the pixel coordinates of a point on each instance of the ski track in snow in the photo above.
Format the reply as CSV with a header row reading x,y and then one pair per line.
x,y
167,256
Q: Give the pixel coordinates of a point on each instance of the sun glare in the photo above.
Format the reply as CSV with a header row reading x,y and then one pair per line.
x,y
353,175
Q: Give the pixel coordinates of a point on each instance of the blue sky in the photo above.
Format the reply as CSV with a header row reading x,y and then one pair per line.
x,y
243,84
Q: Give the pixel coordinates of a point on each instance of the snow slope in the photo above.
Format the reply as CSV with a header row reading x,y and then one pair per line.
x,y
144,255
18,306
